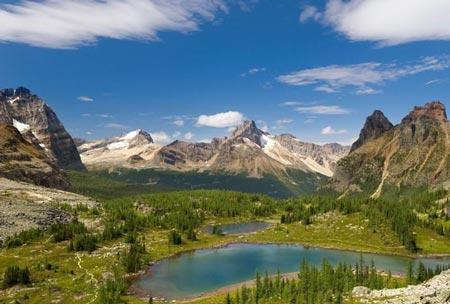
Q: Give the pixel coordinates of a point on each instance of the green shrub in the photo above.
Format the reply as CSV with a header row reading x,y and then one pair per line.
x,y
15,275
83,242
174,238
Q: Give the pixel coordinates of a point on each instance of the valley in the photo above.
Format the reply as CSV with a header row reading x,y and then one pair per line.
x,y
127,220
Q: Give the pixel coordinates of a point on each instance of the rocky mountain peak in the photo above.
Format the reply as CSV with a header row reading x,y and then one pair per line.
x,y
248,130
434,110
138,136
375,125
18,92
30,114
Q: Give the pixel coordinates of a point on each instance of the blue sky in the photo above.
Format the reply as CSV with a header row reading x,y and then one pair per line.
x,y
194,68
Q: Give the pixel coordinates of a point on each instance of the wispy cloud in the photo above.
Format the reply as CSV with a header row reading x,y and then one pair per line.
x,y
115,126
189,135
323,110
281,123
262,124
330,131
309,12
178,122
432,82
388,22
361,76
292,103
71,24
253,71
221,120
84,98
103,115
161,137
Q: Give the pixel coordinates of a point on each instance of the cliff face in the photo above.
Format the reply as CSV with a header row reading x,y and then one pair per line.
x,y
39,124
25,161
376,124
416,152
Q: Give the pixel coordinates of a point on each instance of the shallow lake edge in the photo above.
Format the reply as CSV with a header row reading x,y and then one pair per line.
x,y
138,293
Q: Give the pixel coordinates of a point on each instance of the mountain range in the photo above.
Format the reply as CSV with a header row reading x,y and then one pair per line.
x,y
414,152
248,150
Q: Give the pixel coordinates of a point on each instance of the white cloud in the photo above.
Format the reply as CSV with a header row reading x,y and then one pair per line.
x,y
86,114
71,24
205,140
284,121
115,126
334,77
325,89
262,125
161,137
292,103
221,120
189,136
178,122
89,133
253,71
104,115
389,22
84,98
367,91
309,12
323,110
330,131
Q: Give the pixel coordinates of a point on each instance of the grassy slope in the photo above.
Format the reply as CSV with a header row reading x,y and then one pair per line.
x,y
270,185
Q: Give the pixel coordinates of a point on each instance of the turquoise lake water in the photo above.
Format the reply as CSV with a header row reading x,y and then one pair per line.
x,y
239,228
190,274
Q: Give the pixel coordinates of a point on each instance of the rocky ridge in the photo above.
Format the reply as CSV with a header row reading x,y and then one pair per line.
x,y
434,291
38,123
24,206
416,152
27,161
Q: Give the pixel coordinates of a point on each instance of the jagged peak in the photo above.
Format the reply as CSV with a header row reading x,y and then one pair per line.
x,y
432,110
375,125
138,135
249,130
11,92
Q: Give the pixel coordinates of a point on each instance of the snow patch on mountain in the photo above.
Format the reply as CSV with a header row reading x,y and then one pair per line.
x,y
22,127
118,145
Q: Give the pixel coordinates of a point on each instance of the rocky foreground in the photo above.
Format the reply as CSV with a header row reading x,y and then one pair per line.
x,y
434,291
24,206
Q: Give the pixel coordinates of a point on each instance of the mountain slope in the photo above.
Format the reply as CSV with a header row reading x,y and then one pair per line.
x,y
133,150
415,152
25,161
39,124
248,151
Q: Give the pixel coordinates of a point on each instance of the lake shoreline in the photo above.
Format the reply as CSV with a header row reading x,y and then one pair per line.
x,y
140,294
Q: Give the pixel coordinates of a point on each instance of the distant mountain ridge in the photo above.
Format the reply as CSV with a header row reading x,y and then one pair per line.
x,y
415,153
248,150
